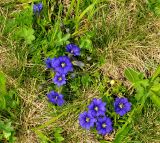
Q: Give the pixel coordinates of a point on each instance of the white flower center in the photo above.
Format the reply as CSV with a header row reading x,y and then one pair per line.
x,y
60,78
96,108
63,65
121,105
87,119
104,125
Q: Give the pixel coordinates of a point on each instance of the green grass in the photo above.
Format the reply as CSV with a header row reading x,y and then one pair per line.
x,y
114,34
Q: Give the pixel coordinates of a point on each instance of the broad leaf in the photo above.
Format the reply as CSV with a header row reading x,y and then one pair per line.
x,y
155,99
26,34
132,75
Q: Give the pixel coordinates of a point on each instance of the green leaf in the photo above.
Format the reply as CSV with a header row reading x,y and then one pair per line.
x,y
58,136
156,73
43,137
132,75
156,89
86,43
155,99
62,39
2,91
2,84
26,34
122,133
7,134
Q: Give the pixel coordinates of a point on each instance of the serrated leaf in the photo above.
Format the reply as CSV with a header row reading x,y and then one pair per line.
x,y
26,34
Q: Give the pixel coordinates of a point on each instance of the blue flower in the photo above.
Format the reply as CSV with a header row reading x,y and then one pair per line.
x,y
73,49
97,107
55,98
62,65
86,120
122,106
59,79
104,126
49,62
37,7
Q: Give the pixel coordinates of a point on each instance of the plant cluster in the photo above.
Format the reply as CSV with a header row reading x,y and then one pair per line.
x,y
44,30
96,114
9,103
61,66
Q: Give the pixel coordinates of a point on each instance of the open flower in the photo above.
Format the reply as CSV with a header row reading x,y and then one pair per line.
x,y
73,49
104,126
62,65
86,120
55,98
122,106
97,107
37,7
59,79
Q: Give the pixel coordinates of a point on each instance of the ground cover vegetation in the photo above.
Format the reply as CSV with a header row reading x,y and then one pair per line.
x,y
74,71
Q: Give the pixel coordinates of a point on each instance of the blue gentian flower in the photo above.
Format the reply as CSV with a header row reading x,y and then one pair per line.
x,y
37,7
104,126
49,62
97,107
62,65
59,79
55,98
86,120
122,106
73,49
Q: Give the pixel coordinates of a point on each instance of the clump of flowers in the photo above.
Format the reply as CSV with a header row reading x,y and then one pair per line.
x,y
96,115
61,66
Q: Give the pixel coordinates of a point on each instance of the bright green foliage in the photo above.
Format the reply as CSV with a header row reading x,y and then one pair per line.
x,y
2,91
7,132
133,76
8,102
144,88
26,34
154,5
57,135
